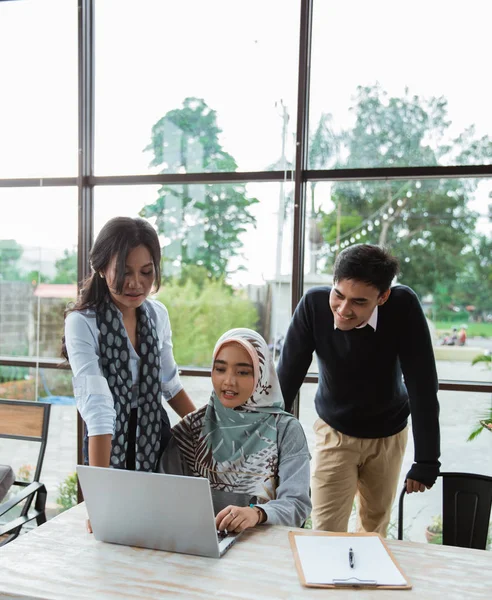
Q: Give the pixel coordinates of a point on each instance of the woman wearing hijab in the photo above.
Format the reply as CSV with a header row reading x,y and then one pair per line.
x,y
243,441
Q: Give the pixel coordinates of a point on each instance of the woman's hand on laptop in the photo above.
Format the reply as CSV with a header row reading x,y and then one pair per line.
x,y
237,518
89,527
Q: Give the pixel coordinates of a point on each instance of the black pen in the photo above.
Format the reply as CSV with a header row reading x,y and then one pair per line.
x,y
351,558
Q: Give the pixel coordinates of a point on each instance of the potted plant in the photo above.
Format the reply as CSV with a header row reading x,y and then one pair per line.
x,y
433,533
486,421
67,492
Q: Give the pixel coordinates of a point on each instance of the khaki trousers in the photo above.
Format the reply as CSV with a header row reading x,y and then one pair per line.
x,y
344,466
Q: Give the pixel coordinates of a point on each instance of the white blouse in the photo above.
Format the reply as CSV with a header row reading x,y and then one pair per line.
x,y
94,399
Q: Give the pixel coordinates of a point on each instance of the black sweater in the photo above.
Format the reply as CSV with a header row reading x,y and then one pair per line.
x,y
361,390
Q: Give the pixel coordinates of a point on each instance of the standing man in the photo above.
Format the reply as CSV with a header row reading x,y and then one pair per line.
x,y
366,335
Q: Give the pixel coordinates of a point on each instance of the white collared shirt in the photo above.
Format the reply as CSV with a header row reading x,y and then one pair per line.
x,y
372,321
91,390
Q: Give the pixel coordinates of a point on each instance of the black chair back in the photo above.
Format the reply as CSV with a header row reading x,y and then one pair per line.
x,y
467,502
26,421
466,508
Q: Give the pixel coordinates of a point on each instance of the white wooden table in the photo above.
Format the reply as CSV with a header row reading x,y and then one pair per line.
x,y
61,560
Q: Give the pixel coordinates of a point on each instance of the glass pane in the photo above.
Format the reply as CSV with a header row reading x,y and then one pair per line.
x,y
61,450
38,104
394,87
459,417
38,273
195,91
226,257
198,389
441,230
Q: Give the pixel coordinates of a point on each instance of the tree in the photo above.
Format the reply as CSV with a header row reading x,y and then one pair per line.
x,y
324,148
202,224
10,254
201,310
11,268
35,278
473,287
426,223
66,268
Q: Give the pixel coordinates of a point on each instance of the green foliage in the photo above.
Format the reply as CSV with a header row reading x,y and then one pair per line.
x,y
436,525
24,473
67,492
417,220
202,224
324,146
10,254
35,277
436,539
485,358
475,433
436,528
13,373
486,421
10,268
55,382
66,268
200,312
473,286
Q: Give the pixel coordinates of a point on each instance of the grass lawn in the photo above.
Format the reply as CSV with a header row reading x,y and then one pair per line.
x,y
474,329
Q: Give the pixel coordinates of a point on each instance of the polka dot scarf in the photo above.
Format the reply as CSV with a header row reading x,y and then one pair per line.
x,y
115,361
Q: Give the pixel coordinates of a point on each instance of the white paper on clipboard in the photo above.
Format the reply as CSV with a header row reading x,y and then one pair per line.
x,y
325,560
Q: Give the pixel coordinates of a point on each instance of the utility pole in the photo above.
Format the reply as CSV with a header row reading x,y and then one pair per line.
x,y
280,222
339,214
281,200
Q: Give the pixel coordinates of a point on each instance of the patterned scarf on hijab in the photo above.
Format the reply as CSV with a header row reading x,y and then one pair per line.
x,y
236,449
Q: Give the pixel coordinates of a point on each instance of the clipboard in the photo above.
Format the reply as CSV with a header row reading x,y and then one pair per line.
x,y
353,581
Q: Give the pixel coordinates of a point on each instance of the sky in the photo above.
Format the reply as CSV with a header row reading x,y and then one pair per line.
x,y
241,58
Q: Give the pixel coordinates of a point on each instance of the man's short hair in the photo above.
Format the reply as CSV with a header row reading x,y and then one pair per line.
x,y
368,264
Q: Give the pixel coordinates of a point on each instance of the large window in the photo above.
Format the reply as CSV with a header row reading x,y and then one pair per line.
x,y
38,277
192,86
440,230
38,268
459,418
157,108
227,252
399,84
38,103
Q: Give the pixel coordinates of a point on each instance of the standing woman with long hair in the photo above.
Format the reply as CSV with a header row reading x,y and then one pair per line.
x,y
118,343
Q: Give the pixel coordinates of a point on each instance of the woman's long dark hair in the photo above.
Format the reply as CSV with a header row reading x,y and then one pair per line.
x,y
117,238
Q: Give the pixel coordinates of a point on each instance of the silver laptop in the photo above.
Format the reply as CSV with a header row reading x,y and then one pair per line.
x,y
152,510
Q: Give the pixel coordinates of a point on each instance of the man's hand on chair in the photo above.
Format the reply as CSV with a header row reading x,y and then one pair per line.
x,y
416,486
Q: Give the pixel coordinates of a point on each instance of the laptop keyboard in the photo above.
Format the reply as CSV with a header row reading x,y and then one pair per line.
x,y
226,540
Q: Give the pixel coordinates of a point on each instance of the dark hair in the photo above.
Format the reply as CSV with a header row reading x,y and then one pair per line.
x,y
366,263
117,238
